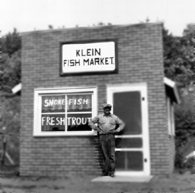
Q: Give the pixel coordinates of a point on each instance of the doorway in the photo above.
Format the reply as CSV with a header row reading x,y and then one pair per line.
x,y
132,145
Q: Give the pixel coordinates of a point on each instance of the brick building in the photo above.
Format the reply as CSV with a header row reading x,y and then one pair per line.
x,y
66,77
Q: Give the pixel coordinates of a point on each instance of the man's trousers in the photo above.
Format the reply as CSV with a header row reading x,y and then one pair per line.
x,y
107,143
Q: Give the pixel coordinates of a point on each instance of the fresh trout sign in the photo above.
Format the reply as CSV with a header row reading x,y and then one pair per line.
x,y
90,57
66,112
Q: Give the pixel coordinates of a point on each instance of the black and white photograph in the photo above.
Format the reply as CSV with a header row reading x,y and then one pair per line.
x,y
97,96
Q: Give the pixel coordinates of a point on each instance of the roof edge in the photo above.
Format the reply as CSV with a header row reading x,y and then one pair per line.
x,y
168,82
17,88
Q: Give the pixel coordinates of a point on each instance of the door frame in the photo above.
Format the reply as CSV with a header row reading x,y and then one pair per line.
x,y
142,88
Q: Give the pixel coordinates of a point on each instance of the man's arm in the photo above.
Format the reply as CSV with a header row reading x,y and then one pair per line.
x,y
120,124
93,123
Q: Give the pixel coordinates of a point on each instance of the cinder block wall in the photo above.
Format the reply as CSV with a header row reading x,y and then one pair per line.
x,y
140,59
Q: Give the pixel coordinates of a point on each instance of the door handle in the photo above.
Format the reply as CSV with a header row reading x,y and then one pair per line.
x,y
145,160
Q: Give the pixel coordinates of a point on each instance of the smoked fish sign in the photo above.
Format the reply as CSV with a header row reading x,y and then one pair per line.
x,y
66,112
91,57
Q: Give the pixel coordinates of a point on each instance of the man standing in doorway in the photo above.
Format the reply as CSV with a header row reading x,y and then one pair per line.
x,y
107,125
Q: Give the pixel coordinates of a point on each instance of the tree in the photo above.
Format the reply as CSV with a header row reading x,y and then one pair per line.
x,y
179,64
11,43
10,62
10,75
178,60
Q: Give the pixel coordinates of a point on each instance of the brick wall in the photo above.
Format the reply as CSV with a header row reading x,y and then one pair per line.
x,y
171,153
140,59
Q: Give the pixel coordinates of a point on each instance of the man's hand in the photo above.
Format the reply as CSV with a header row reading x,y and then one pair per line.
x,y
114,132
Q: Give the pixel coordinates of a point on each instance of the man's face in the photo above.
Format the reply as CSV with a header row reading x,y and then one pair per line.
x,y
107,111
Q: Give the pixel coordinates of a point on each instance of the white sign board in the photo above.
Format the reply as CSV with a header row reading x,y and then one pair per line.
x,y
88,57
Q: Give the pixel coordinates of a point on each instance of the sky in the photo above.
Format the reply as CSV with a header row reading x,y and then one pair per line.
x,y
30,15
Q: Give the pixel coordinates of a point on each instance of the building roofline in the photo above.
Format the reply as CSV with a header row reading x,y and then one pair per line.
x,y
92,27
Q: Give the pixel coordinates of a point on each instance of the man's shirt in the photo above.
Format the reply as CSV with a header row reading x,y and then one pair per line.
x,y
107,124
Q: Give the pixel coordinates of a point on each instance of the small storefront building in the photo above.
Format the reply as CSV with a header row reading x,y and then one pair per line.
x,y
68,74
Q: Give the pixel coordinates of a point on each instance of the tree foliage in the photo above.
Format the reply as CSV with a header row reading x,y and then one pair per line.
x,y
179,65
10,75
179,58
11,43
10,62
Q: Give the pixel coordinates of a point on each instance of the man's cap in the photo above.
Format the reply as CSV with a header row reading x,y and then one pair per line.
x,y
107,106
